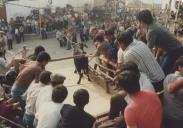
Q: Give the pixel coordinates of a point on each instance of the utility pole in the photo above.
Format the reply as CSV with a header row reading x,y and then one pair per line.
x,y
168,12
40,17
140,4
177,13
2,9
153,6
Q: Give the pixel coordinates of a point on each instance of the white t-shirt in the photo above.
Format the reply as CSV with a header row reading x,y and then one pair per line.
x,y
32,93
44,96
120,56
48,115
145,84
16,31
58,34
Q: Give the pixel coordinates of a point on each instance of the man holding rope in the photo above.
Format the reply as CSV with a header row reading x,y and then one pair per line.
x,y
30,71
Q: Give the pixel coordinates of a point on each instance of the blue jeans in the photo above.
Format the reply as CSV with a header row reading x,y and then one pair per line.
x,y
16,93
28,120
169,60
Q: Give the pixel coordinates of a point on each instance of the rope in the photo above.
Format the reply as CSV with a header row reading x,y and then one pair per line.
x,y
71,57
18,125
107,76
110,70
110,62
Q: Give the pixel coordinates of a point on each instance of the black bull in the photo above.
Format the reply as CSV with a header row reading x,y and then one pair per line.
x,y
81,64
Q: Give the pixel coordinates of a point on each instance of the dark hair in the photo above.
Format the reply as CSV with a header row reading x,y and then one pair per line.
x,y
38,50
145,16
43,56
81,97
54,83
125,38
59,94
129,81
109,32
130,66
179,62
45,77
99,37
132,30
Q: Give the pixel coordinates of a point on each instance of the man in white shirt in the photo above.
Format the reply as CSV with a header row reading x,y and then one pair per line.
x,y
32,93
17,35
46,92
120,58
48,115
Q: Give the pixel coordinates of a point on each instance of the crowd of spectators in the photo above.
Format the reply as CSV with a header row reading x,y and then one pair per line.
x,y
148,74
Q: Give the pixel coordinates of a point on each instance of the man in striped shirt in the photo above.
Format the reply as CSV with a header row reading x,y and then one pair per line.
x,y
137,52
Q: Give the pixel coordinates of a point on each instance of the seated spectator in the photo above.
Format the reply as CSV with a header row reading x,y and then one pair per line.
x,y
30,72
173,101
75,116
46,92
137,52
32,93
145,110
37,50
48,115
23,52
119,101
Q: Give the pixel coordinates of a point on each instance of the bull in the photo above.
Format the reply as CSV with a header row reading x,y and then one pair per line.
x,y
80,62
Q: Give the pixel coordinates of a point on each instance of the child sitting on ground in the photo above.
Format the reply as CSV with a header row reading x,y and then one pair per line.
x,y
24,51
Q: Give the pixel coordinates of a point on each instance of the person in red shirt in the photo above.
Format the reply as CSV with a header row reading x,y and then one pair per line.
x,y
144,109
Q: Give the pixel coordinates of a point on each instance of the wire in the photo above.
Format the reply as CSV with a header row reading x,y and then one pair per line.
x,y
24,5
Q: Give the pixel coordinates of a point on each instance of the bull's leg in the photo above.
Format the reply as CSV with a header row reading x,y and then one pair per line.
x,y
87,73
75,71
88,77
80,76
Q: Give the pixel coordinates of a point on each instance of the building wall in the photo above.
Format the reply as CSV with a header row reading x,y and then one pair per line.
x,y
97,3
2,12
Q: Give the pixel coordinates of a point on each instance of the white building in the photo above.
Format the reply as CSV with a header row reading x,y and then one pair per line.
x,y
21,7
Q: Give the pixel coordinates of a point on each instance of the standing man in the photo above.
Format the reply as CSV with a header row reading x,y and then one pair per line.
x,y
17,35
30,71
9,40
21,29
161,40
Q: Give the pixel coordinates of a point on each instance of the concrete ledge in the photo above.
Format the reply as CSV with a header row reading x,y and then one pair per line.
x,y
38,36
